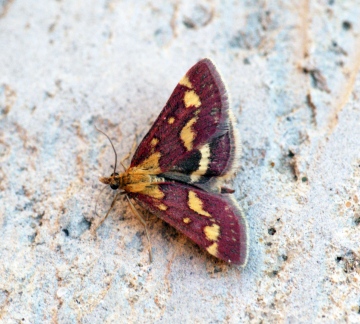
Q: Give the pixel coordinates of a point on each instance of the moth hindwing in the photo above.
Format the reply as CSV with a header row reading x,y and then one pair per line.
x,y
177,170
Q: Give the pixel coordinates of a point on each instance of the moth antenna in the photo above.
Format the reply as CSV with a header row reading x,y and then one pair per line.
x,y
111,145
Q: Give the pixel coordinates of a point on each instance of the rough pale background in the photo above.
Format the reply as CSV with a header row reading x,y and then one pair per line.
x,y
292,68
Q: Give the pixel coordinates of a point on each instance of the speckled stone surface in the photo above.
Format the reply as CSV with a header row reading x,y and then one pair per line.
x,y
292,69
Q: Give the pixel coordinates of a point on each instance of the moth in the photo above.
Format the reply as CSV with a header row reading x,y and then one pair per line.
x,y
177,170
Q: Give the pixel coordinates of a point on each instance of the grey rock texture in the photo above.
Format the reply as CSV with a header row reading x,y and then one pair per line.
x,y
292,69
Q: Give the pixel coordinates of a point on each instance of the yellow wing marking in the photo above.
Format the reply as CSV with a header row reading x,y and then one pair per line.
x,y
203,165
212,232
191,99
154,142
153,191
187,134
213,249
145,188
186,220
186,82
195,204
149,165
162,206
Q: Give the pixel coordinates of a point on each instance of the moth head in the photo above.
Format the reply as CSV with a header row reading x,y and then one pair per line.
x,y
113,180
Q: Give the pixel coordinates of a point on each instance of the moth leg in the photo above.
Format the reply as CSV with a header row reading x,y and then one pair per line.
x,y
127,156
93,230
136,212
97,200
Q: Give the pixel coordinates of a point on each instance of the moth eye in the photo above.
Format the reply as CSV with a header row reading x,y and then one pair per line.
x,y
114,186
114,174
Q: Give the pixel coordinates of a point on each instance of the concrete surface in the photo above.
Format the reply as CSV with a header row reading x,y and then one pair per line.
x,y
292,69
